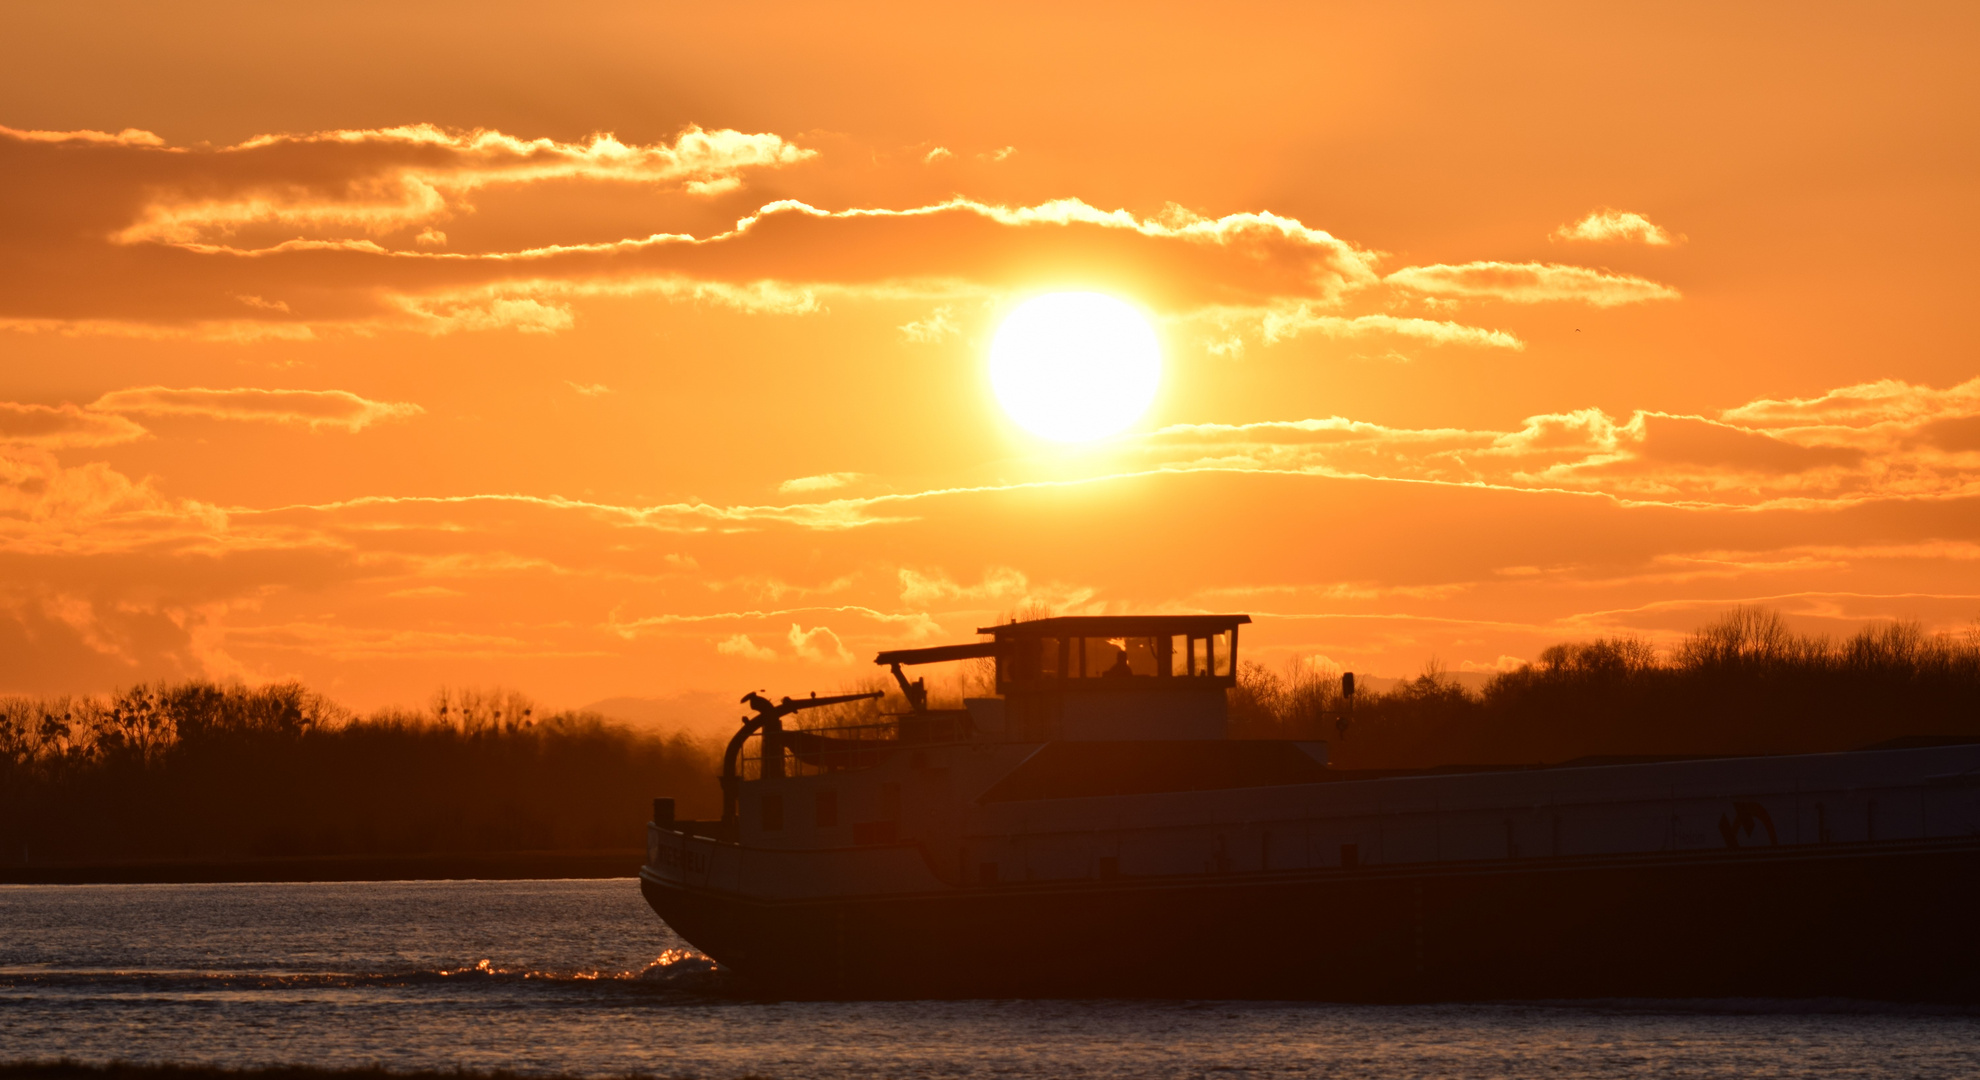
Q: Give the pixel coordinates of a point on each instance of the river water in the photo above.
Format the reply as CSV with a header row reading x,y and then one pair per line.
x,y
579,977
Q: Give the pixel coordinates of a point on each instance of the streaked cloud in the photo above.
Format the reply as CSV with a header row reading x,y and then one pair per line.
x,y
1648,459
1863,404
1876,442
126,137
1000,583
338,232
1607,226
63,426
821,482
1282,325
1530,283
382,180
377,643
788,302
1492,667
315,409
675,517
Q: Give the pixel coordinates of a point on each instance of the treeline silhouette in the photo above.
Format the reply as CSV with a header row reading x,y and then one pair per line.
x,y
201,772
1745,684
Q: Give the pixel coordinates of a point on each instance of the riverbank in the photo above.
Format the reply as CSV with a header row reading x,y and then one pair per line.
x,y
69,1070
498,866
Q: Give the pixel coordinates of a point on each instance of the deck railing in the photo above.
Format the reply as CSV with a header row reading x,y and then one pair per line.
x,y
838,746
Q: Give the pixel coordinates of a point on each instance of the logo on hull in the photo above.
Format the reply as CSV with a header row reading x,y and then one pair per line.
x,y
1744,818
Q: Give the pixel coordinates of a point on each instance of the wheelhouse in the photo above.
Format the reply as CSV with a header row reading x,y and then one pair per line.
x,y
1095,678
1061,654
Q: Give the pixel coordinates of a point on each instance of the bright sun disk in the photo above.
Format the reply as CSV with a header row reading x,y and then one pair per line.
x,y
1075,366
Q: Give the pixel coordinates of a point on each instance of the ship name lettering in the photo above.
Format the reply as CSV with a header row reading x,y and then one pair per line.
x,y
675,859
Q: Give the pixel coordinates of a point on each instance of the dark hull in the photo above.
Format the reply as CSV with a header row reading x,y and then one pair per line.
x,y
1891,921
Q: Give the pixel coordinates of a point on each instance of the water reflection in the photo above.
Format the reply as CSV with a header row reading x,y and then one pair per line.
x,y
577,976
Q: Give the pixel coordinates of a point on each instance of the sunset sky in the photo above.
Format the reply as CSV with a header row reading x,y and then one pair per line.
x,y
639,350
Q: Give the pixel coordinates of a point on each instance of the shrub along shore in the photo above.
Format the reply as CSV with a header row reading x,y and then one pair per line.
x,y
201,782
1745,684
70,1070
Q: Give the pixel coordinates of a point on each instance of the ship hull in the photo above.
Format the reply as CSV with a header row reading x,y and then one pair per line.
x,y
1876,920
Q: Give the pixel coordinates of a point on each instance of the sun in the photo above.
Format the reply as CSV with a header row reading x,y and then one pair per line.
x,y
1074,366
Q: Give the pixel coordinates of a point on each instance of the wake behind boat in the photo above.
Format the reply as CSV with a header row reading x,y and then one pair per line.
x,y
1092,831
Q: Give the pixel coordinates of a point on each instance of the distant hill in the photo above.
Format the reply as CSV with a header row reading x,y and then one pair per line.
x,y
696,713
1474,681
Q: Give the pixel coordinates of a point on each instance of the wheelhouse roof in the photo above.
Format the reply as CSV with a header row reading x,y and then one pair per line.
x,y
1067,626
1116,626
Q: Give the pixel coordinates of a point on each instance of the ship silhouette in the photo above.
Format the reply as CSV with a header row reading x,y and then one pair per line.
x,y
1092,831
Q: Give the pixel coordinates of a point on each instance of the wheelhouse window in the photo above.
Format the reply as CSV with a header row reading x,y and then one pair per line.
x,y
1205,654
1120,657
1202,655
1032,658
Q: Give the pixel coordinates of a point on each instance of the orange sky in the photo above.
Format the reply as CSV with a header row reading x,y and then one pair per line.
x,y
632,350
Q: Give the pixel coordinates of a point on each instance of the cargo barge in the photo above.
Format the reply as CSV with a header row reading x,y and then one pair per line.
x,y
1091,831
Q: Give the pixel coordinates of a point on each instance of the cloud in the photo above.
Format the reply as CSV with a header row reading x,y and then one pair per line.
x,y
1530,283
936,155
914,623
940,325
1863,404
1281,325
811,645
81,616
271,224
315,408
126,137
1695,441
1607,225
381,180
49,508
1647,458
679,517
999,583
145,568
821,482
1875,441
63,426
741,645
1822,556
1503,663
1958,434
381,643
228,331
588,389
338,232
